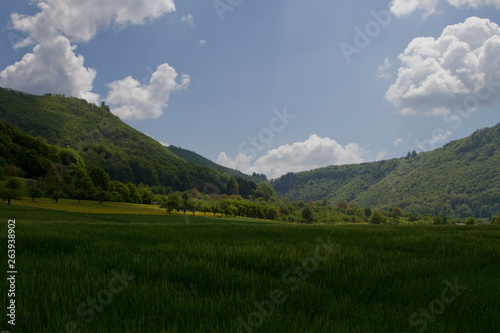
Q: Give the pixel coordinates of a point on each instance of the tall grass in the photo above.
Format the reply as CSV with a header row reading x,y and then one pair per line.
x,y
201,274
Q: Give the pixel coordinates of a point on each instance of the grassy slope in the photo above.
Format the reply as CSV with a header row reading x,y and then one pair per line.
x,y
202,275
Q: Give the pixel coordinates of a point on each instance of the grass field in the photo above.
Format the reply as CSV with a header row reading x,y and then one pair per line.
x,y
126,268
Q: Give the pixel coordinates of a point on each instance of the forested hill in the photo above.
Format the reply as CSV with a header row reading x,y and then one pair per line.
x,y
104,141
462,178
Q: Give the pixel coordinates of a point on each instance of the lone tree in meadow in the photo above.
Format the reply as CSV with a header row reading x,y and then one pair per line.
x,y
34,193
10,192
56,195
33,190
103,196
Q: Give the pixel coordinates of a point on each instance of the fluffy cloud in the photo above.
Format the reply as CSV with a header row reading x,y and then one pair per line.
x,y
460,69
429,7
131,99
407,7
313,153
474,3
80,20
53,67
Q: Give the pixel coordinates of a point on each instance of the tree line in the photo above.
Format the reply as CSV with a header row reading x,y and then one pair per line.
x,y
262,203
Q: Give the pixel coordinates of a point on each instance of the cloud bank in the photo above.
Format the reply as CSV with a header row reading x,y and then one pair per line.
x,y
313,153
402,8
460,68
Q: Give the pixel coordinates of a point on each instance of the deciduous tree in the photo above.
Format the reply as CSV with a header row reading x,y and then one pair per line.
x,y
10,192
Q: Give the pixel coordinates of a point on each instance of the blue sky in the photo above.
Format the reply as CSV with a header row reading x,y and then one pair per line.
x,y
268,87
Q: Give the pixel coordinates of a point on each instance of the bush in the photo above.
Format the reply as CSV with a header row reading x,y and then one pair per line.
x,y
470,221
440,219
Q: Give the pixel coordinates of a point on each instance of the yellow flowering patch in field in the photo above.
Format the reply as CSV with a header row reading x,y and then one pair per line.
x,y
91,207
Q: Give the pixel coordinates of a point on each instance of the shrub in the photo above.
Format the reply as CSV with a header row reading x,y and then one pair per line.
x,y
470,221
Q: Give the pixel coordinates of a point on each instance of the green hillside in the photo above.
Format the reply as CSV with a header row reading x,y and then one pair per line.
x,y
104,141
31,157
462,178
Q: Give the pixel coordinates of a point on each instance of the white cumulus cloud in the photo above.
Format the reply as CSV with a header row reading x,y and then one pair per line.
x,y
474,3
130,99
428,7
80,20
460,68
407,7
53,67
313,153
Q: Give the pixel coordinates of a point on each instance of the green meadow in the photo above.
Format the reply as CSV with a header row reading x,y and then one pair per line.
x,y
133,268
